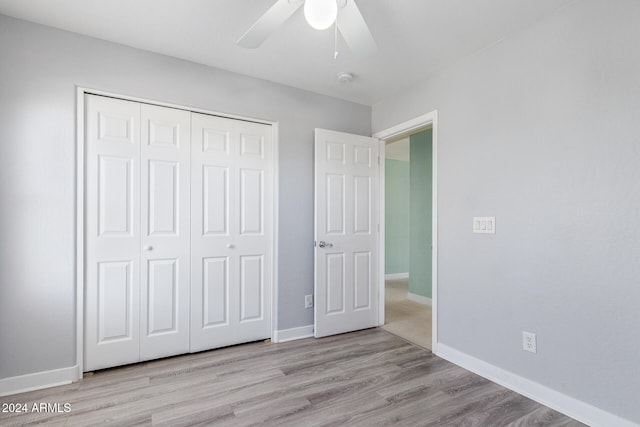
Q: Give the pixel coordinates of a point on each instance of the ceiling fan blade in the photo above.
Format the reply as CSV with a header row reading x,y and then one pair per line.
x,y
355,32
269,22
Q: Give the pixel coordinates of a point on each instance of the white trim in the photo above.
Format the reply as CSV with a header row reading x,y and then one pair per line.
x,y
80,232
275,126
382,150
80,143
293,334
175,106
419,299
396,276
408,127
425,120
569,406
37,381
434,231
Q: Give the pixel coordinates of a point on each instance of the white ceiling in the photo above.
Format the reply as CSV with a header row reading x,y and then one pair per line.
x,y
398,150
415,37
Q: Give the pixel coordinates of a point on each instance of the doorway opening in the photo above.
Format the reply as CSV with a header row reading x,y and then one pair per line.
x,y
408,176
408,249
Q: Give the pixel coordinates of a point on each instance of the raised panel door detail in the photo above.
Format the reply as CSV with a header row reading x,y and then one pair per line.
x,y
115,128
346,219
251,202
164,134
164,198
215,204
114,301
335,277
362,204
112,232
251,145
335,203
336,152
114,200
231,234
251,283
215,141
162,296
215,286
165,181
362,156
362,280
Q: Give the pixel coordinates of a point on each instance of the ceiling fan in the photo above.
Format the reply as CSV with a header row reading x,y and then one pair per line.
x,y
320,14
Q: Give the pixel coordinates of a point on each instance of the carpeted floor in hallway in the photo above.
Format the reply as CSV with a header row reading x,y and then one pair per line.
x,y
405,318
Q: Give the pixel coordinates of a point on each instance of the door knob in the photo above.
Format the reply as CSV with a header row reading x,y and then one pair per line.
x,y
148,248
324,244
230,246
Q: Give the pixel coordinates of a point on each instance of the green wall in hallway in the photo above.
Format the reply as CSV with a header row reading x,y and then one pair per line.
x,y
421,177
396,207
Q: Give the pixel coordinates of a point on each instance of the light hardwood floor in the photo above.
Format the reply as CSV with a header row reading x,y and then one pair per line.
x,y
365,378
405,318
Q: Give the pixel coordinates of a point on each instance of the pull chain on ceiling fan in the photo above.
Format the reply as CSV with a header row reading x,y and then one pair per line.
x,y
320,14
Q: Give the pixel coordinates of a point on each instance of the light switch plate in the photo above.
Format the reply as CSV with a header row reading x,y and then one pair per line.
x,y
484,224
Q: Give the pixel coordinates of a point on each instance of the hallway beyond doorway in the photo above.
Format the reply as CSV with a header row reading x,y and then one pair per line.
x,y
405,318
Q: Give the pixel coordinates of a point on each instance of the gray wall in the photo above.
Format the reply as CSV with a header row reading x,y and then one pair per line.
x,y
541,130
39,70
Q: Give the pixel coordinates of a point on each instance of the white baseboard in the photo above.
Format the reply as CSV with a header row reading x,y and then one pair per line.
x,y
396,276
569,406
419,299
285,335
38,380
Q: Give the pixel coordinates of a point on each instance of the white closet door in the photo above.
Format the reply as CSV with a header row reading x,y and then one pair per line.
x,y
231,231
165,176
112,232
137,215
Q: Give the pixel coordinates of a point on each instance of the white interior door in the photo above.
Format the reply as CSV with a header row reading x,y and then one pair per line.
x,y
231,231
165,257
112,293
346,232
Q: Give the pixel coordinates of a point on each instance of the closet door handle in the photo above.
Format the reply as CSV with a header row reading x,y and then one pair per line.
x,y
230,246
148,248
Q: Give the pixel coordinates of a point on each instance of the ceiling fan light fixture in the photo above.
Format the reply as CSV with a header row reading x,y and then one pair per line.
x,y
320,14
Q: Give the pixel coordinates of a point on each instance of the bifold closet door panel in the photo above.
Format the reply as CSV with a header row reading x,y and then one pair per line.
x,y
165,215
179,235
231,232
137,237
112,270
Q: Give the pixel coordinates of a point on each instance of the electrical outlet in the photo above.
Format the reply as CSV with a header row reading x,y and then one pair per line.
x,y
308,301
529,342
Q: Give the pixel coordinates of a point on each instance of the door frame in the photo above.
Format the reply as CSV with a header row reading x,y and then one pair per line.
x,y
80,248
406,128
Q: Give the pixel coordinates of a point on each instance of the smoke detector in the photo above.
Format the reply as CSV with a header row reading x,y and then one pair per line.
x,y
344,77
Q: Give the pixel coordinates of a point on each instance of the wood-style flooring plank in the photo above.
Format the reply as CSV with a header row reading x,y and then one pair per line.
x,y
365,378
